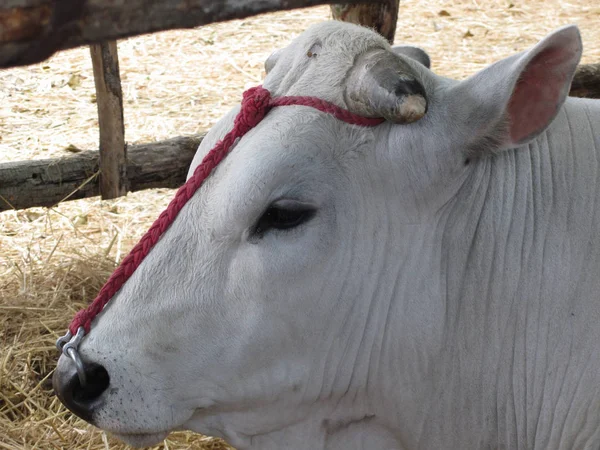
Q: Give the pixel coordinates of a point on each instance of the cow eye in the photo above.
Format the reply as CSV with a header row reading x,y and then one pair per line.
x,y
283,216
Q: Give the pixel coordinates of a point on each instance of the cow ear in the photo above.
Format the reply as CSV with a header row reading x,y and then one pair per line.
x,y
272,60
513,101
415,53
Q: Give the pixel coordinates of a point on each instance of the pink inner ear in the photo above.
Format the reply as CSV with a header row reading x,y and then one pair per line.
x,y
538,93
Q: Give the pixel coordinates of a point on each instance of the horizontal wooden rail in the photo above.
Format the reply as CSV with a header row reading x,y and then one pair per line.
x,y
46,182
32,30
586,82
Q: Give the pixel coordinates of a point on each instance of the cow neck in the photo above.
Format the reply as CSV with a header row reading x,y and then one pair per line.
x,y
256,103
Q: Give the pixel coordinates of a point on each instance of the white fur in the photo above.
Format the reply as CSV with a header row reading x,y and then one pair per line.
x,y
429,304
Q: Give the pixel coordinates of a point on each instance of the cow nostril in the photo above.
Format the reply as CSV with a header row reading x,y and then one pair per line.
x,y
97,381
80,399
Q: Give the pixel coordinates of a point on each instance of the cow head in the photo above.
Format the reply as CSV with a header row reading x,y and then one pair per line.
x,y
302,275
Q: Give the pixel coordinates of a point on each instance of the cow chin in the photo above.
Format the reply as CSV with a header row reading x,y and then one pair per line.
x,y
142,439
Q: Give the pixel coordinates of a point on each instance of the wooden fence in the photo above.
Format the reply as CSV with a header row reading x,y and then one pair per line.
x,y
32,30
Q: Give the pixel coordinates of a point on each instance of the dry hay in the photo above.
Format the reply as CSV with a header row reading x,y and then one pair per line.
x,y
53,261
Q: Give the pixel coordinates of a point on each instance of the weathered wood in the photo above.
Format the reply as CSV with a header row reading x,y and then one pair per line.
x,y
109,98
46,182
586,82
32,30
382,17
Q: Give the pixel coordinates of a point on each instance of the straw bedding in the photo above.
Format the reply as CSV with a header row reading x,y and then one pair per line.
x,y
53,261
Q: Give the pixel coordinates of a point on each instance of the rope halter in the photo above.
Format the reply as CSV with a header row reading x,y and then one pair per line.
x,y
256,103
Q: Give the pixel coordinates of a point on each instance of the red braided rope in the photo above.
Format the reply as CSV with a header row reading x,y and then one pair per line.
x,y
339,113
256,103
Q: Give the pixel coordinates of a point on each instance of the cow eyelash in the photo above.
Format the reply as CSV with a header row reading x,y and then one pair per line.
x,y
283,217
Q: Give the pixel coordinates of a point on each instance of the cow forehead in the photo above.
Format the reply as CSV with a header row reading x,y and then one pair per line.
x,y
292,140
316,62
295,152
336,35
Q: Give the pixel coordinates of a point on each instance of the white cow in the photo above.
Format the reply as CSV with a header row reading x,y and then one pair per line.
x,y
424,285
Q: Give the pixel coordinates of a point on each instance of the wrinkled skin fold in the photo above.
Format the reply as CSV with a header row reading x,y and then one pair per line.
x,y
423,285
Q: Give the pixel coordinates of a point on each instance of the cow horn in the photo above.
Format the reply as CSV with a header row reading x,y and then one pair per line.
x,y
382,84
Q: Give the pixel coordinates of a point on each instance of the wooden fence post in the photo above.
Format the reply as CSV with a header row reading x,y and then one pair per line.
x,y
109,97
380,16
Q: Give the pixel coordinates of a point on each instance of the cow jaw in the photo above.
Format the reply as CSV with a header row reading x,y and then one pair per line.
x,y
339,425
142,440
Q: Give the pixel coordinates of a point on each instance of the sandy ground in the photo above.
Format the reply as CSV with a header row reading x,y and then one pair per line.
x,y
52,261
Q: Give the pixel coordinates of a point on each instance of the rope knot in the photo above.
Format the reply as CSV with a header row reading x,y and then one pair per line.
x,y
255,106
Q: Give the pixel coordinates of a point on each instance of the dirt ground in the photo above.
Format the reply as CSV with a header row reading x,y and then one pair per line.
x,y
53,261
